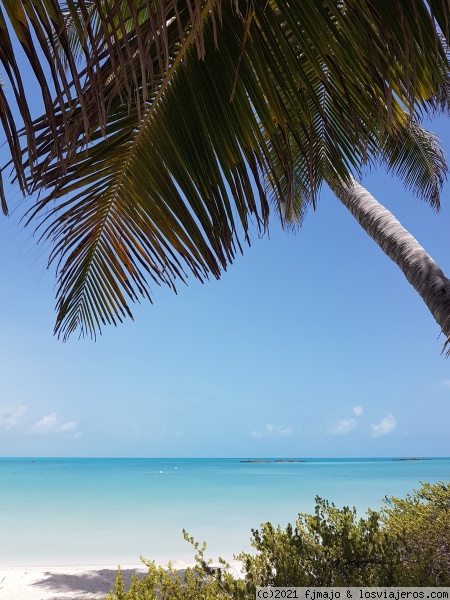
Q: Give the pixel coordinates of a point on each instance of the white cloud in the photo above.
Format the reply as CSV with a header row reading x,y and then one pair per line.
x,y
273,431
69,426
357,410
45,425
344,426
387,425
444,384
52,424
10,416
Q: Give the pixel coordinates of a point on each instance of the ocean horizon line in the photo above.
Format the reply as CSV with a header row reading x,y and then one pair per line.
x,y
250,457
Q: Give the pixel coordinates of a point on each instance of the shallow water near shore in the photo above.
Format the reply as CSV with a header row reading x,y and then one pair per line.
x,y
63,511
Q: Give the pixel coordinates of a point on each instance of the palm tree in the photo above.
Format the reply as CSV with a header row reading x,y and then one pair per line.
x,y
288,95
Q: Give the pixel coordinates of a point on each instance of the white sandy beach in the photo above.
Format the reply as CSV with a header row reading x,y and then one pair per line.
x,y
62,583
69,583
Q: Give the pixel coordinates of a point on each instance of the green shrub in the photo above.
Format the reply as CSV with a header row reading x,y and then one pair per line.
x,y
201,582
419,530
407,543
330,548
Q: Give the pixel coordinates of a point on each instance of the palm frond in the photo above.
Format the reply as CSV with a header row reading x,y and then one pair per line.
x,y
417,157
32,23
285,97
67,47
152,195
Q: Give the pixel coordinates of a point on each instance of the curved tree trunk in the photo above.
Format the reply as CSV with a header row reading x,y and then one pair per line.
x,y
419,268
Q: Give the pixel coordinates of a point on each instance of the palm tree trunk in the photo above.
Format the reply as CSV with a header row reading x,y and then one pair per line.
x,y
419,268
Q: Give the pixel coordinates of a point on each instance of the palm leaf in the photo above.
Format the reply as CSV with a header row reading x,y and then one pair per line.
x,y
67,47
288,95
416,156
31,22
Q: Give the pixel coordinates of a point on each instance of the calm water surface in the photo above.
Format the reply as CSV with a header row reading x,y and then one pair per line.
x,y
110,511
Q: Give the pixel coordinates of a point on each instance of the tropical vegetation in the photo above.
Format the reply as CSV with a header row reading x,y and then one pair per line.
x,y
406,544
176,126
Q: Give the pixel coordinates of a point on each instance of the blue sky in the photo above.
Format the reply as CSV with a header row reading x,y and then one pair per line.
x,y
311,345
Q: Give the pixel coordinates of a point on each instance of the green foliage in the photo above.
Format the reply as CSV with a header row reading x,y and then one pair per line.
x,y
328,548
289,95
419,529
201,582
407,543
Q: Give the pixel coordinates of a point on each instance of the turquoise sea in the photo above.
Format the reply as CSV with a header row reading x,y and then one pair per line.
x,y
63,511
